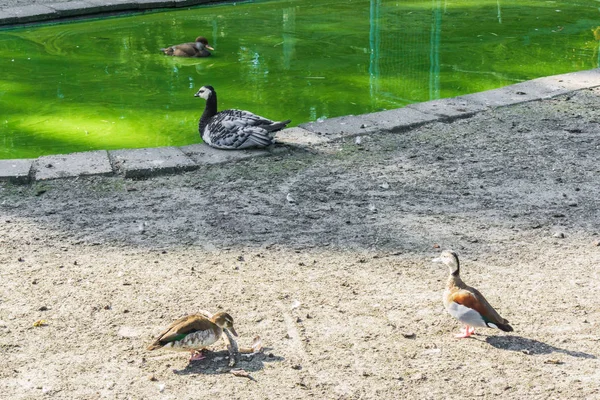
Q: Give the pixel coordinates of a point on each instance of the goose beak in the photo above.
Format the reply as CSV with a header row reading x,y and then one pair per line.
x,y
197,94
233,331
210,48
437,260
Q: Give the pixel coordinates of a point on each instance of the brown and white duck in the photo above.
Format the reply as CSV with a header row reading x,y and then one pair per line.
x,y
234,129
193,333
465,303
195,49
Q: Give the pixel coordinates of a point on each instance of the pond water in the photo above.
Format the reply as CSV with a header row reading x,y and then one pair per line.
x,y
103,84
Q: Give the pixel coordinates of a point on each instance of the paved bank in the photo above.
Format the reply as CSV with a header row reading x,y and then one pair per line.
x,y
16,12
139,163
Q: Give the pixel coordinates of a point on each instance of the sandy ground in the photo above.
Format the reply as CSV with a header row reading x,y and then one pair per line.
x,y
339,284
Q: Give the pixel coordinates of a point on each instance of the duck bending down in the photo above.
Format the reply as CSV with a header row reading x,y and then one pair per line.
x,y
193,333
234,129
195,49
465,303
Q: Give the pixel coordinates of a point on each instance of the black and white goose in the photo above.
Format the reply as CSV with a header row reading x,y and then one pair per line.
x,y
234,129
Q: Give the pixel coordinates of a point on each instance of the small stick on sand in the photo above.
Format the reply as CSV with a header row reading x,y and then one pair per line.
x,y
242,373
256,346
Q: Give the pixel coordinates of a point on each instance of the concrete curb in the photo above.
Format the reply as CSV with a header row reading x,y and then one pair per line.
x,y
143,163
16,171
72,165
449,109
78,8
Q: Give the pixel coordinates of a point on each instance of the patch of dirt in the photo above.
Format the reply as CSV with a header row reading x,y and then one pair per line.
x,y
338,283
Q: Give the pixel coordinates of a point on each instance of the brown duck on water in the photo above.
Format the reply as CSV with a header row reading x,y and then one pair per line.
x,y
195,49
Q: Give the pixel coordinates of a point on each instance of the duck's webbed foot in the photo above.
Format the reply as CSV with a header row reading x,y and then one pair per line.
x,y
466,332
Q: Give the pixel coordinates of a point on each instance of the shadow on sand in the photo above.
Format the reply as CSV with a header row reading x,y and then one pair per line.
x,y
217,362
531,346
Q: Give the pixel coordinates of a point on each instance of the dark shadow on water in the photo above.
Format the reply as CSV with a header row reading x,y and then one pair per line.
x,y
217,362
535,347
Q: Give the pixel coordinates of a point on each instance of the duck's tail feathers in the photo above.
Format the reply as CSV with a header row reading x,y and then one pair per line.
x,y
505,327
275,126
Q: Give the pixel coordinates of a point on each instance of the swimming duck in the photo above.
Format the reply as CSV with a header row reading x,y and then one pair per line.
x,y
234,129
196,49
465,303
193,333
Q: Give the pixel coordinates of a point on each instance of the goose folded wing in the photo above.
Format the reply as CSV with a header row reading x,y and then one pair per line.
x,y
240,137
243,118
239,129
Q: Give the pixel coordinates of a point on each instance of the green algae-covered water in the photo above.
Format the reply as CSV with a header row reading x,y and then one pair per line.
x,y
103,84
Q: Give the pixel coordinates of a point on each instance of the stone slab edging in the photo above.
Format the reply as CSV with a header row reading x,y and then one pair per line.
x,y
142,163
414,115
77,8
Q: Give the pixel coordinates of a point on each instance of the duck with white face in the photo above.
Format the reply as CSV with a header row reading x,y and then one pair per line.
x,y
234,129
199,48
465,303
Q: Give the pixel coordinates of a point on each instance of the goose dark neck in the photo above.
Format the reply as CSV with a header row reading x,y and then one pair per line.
x,y
209,111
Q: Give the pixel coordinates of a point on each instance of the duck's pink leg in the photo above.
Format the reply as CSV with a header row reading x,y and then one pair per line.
x,y
197,355
466,332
